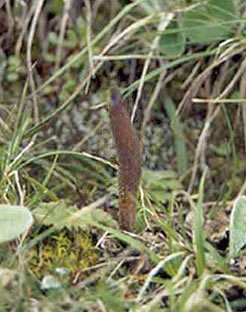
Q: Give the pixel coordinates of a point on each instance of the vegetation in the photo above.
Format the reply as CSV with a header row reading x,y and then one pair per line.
x,y
181,69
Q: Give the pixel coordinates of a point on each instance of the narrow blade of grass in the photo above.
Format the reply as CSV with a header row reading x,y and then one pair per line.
x,y
198,230
179,141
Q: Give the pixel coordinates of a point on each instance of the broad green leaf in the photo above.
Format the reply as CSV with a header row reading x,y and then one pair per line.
x,y
225,10
172,41
152,177
237,226
200,28
14,220
89,215
210,22
60,215
160,195
170,184
160,184
54,213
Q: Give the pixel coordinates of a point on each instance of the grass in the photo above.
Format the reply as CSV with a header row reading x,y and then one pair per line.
x,y
181,69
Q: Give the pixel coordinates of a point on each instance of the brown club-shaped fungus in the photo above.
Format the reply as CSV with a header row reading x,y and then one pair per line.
x,y
129,150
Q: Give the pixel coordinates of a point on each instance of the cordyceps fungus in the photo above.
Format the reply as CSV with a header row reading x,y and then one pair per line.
x,y
129,150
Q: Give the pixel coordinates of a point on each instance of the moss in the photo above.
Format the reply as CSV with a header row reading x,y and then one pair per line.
x,y
72,250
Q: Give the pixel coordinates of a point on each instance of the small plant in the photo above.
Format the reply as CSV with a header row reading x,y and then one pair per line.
x,y
237,226
14,220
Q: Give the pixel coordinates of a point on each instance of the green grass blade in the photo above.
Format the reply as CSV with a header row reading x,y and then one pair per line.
x,y
179,141
198,229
